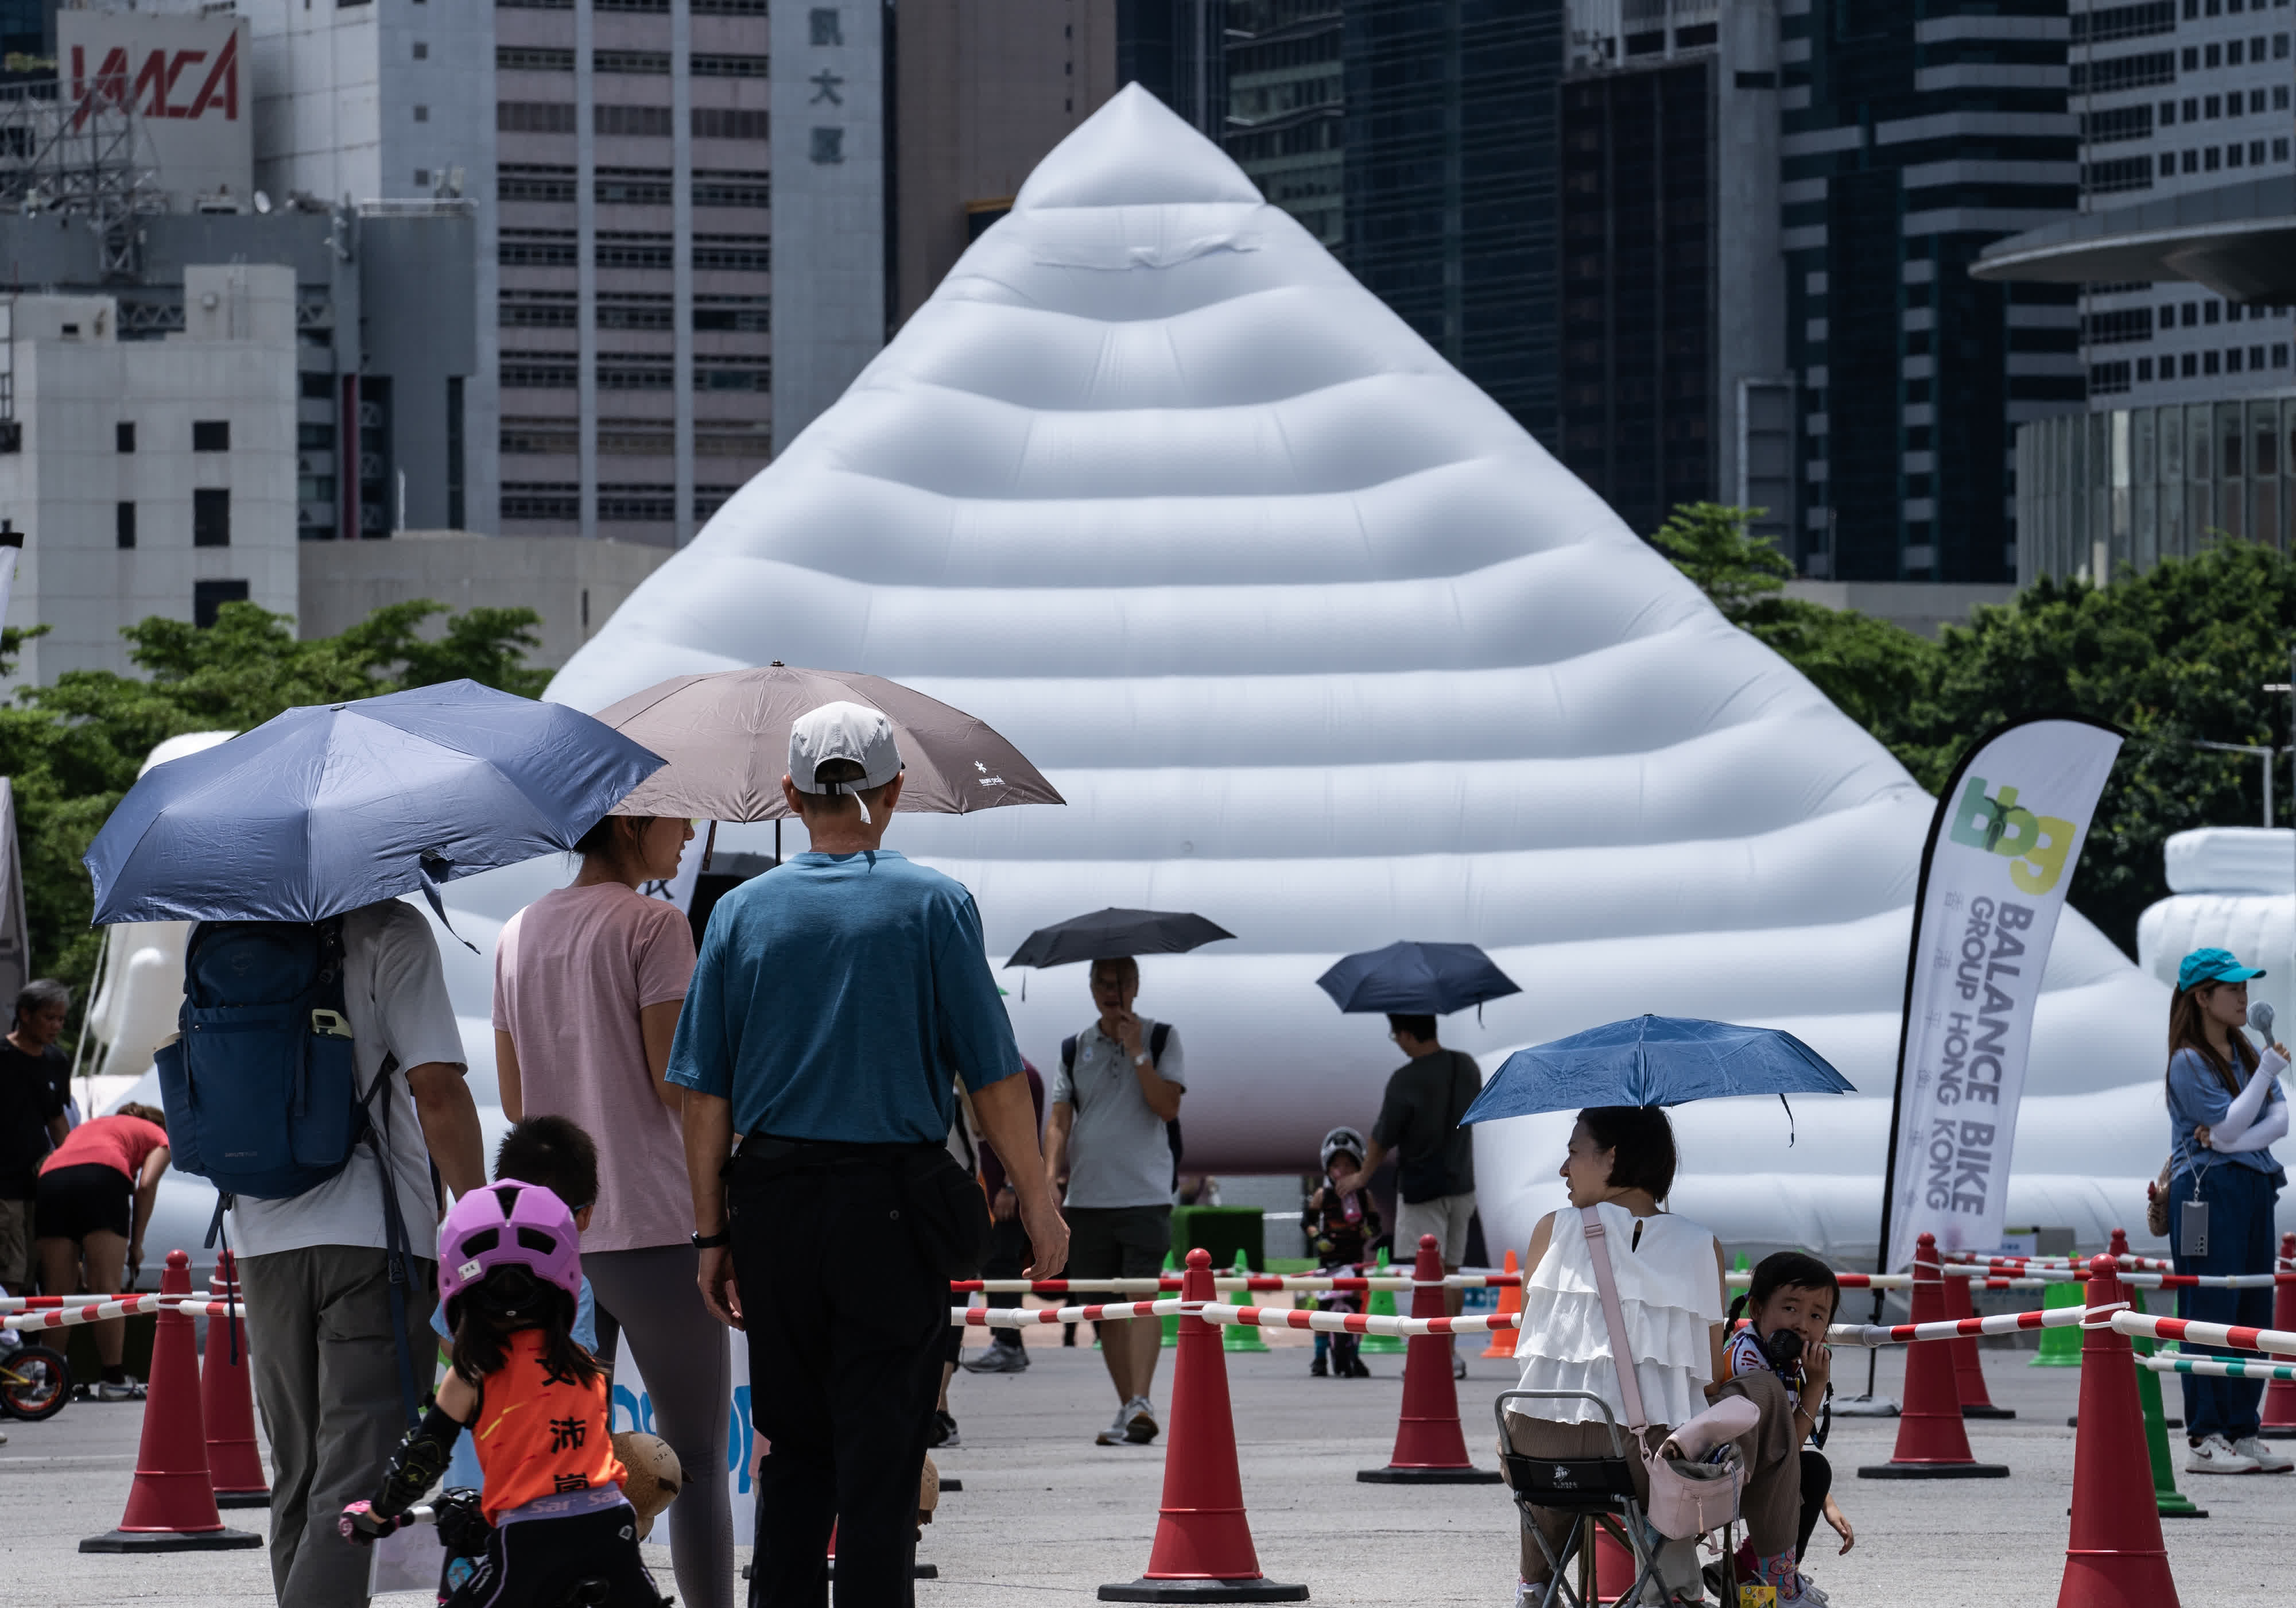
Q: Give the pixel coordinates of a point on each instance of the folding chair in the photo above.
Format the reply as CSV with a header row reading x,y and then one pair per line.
x,y
1598,1493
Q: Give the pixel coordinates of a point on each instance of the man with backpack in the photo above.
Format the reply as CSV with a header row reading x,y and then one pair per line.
x,y
1114,1133
338,1277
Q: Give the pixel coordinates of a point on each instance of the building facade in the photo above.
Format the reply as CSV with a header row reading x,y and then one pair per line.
x,y
1287,107
150,477
1450,131
1674,385
2176,97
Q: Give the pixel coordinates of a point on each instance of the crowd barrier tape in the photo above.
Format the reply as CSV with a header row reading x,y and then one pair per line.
x,y
1956,1328
103,1310
2239,1336
1353,1323
2219,1367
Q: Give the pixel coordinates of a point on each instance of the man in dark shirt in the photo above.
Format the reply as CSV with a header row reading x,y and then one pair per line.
x,y
1419,1121
34,1086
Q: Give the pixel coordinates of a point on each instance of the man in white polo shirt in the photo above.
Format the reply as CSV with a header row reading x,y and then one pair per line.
x,y
1117,1090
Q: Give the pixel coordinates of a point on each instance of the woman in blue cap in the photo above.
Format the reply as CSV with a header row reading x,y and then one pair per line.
x,y
2225,1111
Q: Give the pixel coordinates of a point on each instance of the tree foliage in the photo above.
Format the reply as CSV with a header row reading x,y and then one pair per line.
x,y
72,748
2175,656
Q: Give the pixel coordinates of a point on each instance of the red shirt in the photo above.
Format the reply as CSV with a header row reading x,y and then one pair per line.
x,y
121,1142
540,1435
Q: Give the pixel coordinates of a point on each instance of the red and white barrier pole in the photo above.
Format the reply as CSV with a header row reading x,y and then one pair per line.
x,y
2280,1395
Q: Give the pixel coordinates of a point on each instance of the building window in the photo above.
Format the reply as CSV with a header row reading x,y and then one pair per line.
x,y
725,123
729,67
540,370
527,58
2190,364
534,182
2232,360
318,386
629,61
542,437
123,436
2121,324
2120,172
211,517
2107,377
2209,160
538,248
646,504
649,121
619,249
2208,363
211,435
629,188
714,188
540,502
422,51
123,526
534,117
2192,161
209,597
2280,355
2212,312
421,114
2256,153
2280,151
2144,368
747,253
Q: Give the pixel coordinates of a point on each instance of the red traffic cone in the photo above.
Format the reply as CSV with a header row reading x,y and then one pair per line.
x,y
226,1403
1968,1370
1430,1450
2280,1395
1202,1552
2115,1557
171,1507
1931,1444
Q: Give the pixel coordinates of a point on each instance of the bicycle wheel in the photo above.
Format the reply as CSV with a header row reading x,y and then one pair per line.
x,y
35,1382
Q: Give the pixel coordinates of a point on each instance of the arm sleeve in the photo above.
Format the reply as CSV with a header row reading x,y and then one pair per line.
x,y
701,1057
413,1010
2241,1113
974,1027
2262,1133
665,959
1172,1065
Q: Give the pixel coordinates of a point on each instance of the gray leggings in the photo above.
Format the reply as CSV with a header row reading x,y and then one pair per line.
x,y
682,1352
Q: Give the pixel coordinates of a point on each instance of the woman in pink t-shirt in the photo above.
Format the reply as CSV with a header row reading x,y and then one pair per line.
x,y
588,982
95,1195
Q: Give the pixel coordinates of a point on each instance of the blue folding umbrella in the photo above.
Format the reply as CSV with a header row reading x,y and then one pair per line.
x,y
1653,1061
1416,979
325,808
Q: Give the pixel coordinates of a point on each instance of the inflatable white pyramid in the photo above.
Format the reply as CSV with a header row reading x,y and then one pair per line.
x,y
1317,642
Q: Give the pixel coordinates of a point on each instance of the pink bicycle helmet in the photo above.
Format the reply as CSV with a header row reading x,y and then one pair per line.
x,y
508,1224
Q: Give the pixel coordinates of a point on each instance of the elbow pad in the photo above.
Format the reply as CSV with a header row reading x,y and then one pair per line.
x,y
418,1463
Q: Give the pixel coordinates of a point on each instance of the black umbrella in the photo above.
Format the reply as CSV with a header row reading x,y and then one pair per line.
x,y
1112,934
1416,979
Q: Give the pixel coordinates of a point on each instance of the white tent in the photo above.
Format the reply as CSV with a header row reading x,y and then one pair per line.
x,y
1317,642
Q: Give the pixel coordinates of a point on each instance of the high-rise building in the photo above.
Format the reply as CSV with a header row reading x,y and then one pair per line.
x,y
982,93
1449,135
1913,137
2175,97
1287,106
1674,385
1177,50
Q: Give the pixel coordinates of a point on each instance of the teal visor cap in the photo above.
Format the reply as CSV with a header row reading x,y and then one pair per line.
x,y
2213,965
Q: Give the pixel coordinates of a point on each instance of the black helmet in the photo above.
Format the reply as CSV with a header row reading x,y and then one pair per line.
x,y
1341,1140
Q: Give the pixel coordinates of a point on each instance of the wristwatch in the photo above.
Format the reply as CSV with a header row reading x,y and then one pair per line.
x,y
710,1242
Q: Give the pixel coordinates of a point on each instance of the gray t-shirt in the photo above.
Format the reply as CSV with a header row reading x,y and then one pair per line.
x,y
1119,1154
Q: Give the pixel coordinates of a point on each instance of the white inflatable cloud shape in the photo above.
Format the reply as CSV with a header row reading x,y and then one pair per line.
x,y
1317,642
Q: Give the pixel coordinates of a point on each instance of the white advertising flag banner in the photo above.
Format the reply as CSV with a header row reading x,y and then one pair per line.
x,y
2002,851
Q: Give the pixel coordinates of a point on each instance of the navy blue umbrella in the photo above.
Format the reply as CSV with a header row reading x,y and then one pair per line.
x,y
325,808
1653,1061
1416,979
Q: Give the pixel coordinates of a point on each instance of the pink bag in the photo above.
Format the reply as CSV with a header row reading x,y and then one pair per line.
x,y
1688,1497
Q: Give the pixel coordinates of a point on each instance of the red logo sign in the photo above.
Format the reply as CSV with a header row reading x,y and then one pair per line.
x,y
160,85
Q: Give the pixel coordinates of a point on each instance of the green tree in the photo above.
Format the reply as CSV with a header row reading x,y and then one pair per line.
x,y
2175,656
72,748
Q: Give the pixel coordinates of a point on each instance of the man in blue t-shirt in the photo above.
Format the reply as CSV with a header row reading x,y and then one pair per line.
x,y
836,1002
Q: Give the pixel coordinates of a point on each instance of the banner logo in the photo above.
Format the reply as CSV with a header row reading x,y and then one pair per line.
x,y
1999,825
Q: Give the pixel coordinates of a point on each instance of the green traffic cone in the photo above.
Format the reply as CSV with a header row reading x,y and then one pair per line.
x,y
1241,1337
1172,1321
1382,1305
2060,1348
2173,1504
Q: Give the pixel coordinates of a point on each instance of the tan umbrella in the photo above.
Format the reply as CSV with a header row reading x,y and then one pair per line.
x,y
726,738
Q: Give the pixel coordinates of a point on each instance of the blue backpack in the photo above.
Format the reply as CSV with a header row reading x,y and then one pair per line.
x,y
260,1084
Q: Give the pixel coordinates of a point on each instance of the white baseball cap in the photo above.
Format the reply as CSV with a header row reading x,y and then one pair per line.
x,y
843,731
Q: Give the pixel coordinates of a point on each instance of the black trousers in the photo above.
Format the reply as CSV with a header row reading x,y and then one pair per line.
x,y
846,1326
1816,1480
1008,1258
535,1563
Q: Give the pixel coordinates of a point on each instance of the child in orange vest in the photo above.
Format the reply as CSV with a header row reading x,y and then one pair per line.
x,y
551,1518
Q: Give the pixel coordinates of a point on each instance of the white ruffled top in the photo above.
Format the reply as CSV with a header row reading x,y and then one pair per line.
x,y
1669,1293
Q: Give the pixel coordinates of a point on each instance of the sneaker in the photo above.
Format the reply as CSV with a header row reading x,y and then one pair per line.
x,y
1356,1369
2270,1462
942,1431
1320,1369
1139,1418
1808,1593
1000,1359
1114,1434
126,1390
2214,1455
1458,1366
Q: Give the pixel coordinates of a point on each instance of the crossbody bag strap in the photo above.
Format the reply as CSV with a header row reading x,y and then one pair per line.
x,y
398,1249
1622,1355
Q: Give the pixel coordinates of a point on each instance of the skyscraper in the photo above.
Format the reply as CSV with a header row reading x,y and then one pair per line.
x,y
1449,135
1287,106
2177,96
1913,137
1674,382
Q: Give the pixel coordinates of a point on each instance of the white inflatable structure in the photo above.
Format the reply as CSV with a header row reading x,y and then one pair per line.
x,y
1317,642
2230,887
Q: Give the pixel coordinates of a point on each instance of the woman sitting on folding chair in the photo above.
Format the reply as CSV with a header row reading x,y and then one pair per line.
x,y
1667,1276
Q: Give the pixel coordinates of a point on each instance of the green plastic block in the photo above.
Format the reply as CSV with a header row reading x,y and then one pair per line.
x,y
2060,1348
